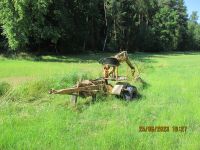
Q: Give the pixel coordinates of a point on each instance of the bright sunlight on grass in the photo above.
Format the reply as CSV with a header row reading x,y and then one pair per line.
x,y
30,118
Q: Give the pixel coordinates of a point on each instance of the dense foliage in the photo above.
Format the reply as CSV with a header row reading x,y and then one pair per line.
x,y
194,31
79,25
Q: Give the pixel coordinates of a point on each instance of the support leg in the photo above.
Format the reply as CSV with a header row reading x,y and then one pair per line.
x,y
94,96
74,99
117,72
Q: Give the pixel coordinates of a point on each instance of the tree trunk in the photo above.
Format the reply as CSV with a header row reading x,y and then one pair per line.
x,y
106,28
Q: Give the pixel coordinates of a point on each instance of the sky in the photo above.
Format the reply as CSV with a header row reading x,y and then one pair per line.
x,y
193,5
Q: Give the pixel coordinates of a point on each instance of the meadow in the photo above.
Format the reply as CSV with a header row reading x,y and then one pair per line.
x,y
30,118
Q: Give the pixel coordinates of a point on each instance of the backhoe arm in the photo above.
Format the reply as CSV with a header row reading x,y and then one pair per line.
x,y
131,66
123,57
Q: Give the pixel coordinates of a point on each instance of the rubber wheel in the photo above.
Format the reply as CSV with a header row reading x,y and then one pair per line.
x,y
109,61
129,93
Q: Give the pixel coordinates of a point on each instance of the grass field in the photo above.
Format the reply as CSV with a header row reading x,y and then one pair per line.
x,y
30,118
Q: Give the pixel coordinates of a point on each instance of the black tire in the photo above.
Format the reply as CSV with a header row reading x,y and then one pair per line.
x,y
110,61
129,92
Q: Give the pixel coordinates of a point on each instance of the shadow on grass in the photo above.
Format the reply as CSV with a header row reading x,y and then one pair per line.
x,y
95,57
85,103
80,58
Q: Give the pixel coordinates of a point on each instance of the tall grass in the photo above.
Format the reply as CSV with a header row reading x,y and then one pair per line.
x,y
37,89
30,118
4,87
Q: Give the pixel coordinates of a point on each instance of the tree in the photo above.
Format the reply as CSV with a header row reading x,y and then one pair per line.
x,y
182,28
164,26
80,25
194,32
194,17
28,21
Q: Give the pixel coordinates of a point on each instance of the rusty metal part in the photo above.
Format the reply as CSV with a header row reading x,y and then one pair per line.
x,y
114,61
87,88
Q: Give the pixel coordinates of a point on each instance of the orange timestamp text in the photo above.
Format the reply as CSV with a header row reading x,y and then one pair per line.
x,y
162,128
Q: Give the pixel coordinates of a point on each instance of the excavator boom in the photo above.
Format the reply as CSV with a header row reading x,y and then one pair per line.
x,y
123,57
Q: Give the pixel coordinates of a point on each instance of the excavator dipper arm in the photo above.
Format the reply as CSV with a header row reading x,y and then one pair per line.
x,y
123,57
